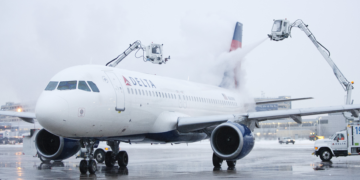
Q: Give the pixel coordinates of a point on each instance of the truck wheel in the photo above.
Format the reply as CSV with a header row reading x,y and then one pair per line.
x,y
325,155
99,155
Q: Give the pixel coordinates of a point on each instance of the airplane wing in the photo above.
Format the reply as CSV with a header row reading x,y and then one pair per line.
x,y
26,116
280,100
251,119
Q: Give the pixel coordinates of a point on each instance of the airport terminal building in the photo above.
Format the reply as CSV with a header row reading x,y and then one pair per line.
x,y
273,129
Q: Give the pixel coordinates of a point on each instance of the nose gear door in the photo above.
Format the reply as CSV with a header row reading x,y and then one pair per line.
x,y
119,91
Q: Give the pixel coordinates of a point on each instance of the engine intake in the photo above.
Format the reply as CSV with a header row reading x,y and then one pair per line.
x,y
54,147
232,141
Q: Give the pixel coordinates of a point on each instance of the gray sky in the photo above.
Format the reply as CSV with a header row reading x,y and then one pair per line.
x,y
40,38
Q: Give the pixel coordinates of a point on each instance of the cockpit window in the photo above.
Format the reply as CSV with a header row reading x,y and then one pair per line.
x,y
51,86
93,86
67,85
83,86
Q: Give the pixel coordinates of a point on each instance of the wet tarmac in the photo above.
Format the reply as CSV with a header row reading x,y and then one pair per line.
x,y
268,160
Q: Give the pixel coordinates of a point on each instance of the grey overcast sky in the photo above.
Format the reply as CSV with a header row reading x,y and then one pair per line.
x,y
40,38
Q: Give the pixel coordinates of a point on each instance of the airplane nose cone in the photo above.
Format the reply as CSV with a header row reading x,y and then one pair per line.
x,y
51,112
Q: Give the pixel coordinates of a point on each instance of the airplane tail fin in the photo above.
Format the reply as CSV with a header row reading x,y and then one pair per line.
x,y
229,79
237,37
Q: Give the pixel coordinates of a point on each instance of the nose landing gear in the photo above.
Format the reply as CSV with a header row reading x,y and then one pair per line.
x,y
88,165
115,155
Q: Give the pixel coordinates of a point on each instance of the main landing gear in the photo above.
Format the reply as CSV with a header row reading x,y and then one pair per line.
x,y
217,162
115,155
88,165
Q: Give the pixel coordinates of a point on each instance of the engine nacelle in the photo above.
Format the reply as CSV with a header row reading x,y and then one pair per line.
x,y
54,147
232,141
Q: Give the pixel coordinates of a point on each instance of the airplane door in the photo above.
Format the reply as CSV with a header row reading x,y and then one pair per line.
x,y
120,94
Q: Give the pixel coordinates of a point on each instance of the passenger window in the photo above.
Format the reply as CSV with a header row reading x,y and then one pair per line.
x,y
93,86
143,92
135,91
139,92
51,86
83,86
67,85
128,90
132,92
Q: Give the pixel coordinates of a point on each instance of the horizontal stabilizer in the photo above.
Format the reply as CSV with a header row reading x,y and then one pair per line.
x,y
281,100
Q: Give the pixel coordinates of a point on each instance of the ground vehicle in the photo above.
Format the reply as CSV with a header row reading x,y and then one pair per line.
x,y
342,143
286,140
315,137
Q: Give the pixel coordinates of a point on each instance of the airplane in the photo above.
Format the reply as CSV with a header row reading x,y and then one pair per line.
x,y
85,104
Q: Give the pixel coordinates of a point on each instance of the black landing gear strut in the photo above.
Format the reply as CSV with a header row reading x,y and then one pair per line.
x,y
217,162
115,155
88,165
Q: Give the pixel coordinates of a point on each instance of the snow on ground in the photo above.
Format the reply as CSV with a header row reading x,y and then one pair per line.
x,y
274,144
262,144
10,145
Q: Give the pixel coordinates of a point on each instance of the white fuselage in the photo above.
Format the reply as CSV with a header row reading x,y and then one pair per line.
x,y
129,103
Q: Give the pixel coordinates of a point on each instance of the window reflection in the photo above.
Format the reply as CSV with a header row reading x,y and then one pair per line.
x,y
51,86
83,86
67,85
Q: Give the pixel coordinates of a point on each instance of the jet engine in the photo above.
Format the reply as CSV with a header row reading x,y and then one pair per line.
x,y
53,147
232,141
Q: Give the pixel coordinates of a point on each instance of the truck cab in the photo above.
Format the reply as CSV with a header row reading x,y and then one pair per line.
x,y
342,143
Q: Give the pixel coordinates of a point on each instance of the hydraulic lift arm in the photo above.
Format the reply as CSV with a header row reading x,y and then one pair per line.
x,y
154,54
282,29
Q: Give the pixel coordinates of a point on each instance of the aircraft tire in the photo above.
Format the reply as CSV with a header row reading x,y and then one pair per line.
x,y
92,167
217,162
122,158
83,167
231,163
109,160
99,156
